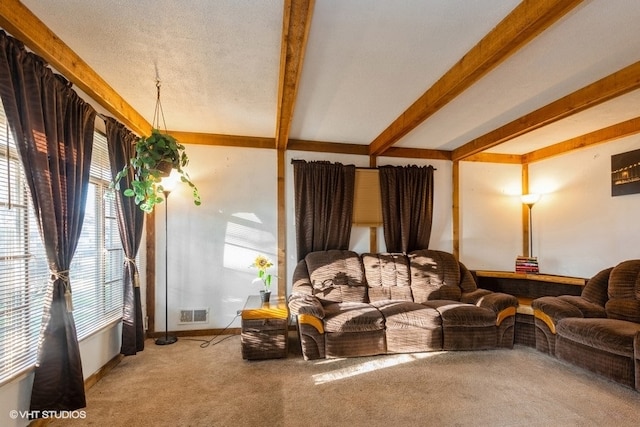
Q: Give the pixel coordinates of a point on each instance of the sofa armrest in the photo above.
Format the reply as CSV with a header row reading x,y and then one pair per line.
x,y
301,281
495,301
308,311
306,304
474,296
503,305
551,310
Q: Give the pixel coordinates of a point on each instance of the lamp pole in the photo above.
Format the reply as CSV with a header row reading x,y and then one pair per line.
x,y
167,339
530,230
530,200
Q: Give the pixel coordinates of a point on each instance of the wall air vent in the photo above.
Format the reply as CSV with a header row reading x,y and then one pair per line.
x,y
194,315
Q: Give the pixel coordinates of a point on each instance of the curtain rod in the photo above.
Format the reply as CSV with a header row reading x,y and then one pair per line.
x,y
378,167
357,167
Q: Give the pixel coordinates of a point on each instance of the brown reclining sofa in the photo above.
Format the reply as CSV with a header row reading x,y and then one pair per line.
x,y
350,305
598,330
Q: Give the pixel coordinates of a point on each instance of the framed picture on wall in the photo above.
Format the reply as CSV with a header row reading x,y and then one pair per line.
x,y
625,173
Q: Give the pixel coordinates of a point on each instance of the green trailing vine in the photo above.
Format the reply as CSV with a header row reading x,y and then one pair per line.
x,y
155,156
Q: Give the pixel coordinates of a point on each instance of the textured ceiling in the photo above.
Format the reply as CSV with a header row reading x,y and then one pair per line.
x,y
366,62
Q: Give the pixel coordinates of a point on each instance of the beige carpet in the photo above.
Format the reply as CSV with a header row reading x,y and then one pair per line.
x,y
185,384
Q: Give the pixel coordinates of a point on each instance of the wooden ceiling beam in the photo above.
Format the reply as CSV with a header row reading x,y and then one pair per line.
x,y
295,31
600,136
605,89
327,147
526,21
22,24
223,140
418,153
515,159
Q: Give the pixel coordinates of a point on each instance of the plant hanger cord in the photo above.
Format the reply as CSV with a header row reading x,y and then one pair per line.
x,y
158,111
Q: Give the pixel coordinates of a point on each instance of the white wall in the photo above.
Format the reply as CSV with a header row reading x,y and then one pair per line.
x,y
578,227
490,215
212,246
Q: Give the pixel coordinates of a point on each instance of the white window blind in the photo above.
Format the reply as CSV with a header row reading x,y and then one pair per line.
x,y
96,270
23,264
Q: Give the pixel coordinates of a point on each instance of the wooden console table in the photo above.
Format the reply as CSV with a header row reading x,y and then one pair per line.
x,y
264,333
527,287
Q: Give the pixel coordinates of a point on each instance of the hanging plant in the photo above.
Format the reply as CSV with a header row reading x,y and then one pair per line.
x,y
156,155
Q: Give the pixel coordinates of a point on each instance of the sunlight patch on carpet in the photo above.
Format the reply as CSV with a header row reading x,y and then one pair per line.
x,y
370,366
328,361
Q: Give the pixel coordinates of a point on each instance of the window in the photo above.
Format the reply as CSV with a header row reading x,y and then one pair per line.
x,y
23,264
95,272
96,269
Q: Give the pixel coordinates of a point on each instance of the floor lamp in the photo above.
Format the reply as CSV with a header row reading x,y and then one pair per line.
x,y
168,184
530,200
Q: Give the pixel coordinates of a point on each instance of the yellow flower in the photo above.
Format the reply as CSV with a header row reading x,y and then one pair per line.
x,y
262,263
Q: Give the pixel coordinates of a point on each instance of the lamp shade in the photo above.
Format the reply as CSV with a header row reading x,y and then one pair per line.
x,y
170,182
530,199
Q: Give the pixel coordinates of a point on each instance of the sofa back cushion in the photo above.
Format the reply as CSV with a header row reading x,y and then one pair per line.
x,y
336,276
434,275
624,292
596,289
387,277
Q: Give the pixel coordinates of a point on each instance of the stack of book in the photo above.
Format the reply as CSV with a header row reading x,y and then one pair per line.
x,y
527,265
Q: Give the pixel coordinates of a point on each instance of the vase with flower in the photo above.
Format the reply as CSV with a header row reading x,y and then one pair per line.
x,y
262,264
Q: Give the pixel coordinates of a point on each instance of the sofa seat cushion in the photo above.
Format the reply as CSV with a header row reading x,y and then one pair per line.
x,y
406,314
458,314
352,317
587,308
609,335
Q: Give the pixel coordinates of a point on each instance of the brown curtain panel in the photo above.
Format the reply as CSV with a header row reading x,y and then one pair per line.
x,y
130,225
407,206
53,129
323,205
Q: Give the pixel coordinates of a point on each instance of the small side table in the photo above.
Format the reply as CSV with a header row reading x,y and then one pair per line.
x,y
264,332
